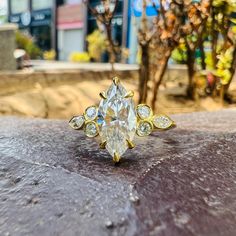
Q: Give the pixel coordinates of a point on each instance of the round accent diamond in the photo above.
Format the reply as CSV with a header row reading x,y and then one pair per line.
x,y
144,128
76,122
162,122
144,111
91,113
91,129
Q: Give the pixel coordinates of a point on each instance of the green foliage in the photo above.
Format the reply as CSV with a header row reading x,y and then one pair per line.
x,y
25,42
79,57
209,61
179,54
49,55
224,66
96,45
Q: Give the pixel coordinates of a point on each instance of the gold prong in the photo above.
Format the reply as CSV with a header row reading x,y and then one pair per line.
x,y
103,95
130,94
102,145
131,145
116,157
116,80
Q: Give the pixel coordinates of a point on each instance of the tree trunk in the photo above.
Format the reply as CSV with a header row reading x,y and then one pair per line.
x,y
111,47
214,35
201,47
232,70
191,72
158,79
144,73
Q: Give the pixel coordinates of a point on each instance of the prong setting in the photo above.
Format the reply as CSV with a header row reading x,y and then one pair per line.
x,y
116,80
103,95
130,144
130,94
102,145
116,157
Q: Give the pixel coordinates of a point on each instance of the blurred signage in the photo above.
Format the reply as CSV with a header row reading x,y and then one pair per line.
x,y
137,7
70,16
35,18
25,18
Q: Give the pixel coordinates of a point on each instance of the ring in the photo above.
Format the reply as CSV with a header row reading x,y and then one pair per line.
x,y
116,120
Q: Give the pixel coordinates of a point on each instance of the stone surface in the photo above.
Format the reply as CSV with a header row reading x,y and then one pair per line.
x,y
181,182
7,47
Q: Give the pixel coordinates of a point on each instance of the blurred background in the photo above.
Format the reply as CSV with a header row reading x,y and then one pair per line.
x,y
57,55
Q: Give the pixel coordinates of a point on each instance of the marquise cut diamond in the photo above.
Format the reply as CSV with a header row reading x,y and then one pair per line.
x,y
117,119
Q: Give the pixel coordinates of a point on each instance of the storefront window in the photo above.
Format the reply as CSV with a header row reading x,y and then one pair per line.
x,y
42,4
3,11
19,6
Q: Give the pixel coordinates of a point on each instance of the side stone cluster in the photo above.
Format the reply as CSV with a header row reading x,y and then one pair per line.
x,y
87,121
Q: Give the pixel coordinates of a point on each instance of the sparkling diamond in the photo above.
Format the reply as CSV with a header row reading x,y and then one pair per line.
x,y
144,128
117,119
76,122
162,122
91,113
91,129
144,111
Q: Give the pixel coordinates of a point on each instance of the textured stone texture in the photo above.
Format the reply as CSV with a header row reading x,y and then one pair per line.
x,y
7,47
55,181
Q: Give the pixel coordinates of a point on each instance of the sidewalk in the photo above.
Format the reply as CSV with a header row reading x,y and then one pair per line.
x,y
40,65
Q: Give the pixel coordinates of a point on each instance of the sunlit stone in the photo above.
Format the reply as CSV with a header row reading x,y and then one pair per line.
x,y
76,122
162,122
117,119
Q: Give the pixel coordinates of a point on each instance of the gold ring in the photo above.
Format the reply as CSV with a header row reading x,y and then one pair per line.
x,y
116,120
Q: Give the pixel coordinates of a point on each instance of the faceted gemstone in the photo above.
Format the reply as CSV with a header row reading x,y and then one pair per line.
x,y
162,122
117,119
91,113
91,129
144,111
144,128
76,122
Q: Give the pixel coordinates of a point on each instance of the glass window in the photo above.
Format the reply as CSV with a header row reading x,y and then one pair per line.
x,y
19,6
42,4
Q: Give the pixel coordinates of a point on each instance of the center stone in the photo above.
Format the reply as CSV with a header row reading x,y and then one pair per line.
x,y
117,119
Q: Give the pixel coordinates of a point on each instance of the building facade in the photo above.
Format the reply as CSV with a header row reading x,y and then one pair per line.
x,y
36,18
71,28
63,25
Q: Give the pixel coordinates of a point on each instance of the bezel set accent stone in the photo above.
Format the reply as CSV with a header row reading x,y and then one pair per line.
x,y
91,129
91,113
144,111
144,128
162,122
77,122
117,120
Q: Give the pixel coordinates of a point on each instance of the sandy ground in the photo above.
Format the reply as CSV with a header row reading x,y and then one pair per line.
x,y
64,101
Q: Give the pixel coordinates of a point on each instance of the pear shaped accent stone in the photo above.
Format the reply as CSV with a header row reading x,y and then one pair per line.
x,y
162,122
76,122
117,119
